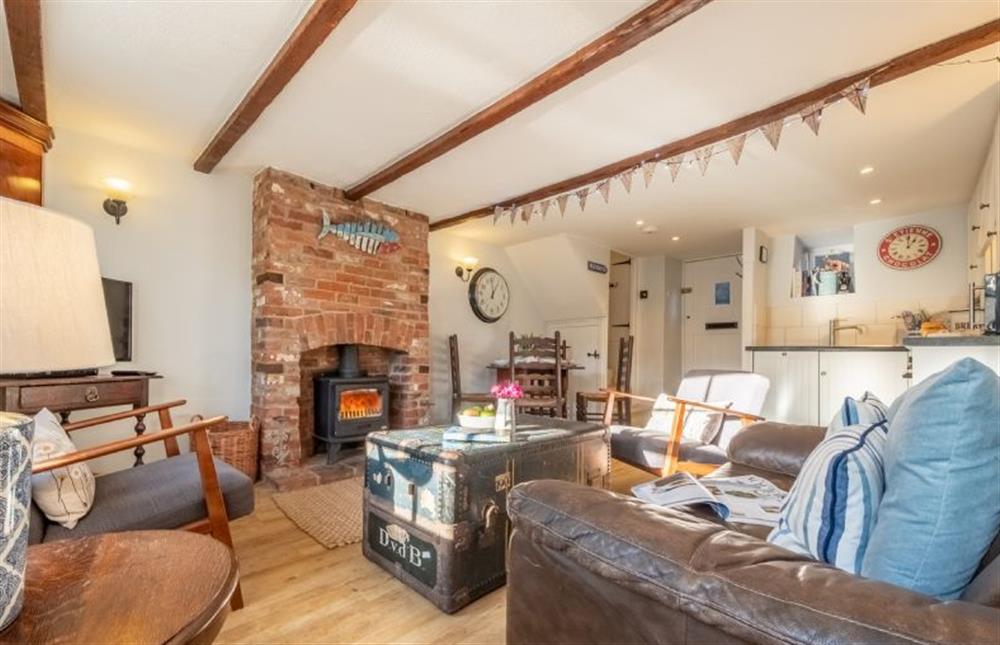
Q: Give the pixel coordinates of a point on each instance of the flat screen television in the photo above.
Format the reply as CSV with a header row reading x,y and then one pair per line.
x,y
118,300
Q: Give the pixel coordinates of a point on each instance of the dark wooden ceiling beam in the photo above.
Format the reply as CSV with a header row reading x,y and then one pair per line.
x,y
321,19
646,23
908,63
24,24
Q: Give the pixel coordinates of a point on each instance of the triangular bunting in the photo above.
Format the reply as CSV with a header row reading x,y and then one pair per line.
x,y
674,164
581,196
527,212
704,156
561,203
605,189
772,132
545,207
497,214
515,213
857,94
735,145
626,179
648,170
812,115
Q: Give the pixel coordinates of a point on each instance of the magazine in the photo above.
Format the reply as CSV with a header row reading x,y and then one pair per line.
x,y
747,499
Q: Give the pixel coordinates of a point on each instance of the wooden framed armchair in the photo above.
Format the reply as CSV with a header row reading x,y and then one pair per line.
x,y
665,450
191,491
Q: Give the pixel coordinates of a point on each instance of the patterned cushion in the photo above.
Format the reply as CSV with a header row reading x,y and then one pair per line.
x,y
831,510
865,411
64,494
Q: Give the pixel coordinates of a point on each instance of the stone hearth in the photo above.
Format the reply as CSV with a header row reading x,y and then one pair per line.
x,y
311,295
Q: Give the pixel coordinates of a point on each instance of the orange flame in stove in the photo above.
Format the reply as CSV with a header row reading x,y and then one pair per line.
x,y
357,404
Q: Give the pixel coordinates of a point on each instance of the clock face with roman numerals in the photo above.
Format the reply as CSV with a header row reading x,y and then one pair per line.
x,y
489,295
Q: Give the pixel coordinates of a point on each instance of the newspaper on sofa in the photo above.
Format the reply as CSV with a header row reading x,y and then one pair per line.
x,y
747,499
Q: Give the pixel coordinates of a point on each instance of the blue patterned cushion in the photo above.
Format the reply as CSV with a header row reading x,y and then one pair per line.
x,y
830,511
941,507
866,411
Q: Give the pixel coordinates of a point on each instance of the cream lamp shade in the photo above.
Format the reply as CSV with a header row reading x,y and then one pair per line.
x,y
52,314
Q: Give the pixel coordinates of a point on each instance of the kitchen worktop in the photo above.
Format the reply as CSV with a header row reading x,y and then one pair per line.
x,y
825,348
952,341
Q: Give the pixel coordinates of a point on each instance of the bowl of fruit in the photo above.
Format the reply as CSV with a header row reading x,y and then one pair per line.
x,y
479,417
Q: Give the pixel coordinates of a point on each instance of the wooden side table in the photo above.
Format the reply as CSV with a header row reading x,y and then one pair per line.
x,y
131,587
66,395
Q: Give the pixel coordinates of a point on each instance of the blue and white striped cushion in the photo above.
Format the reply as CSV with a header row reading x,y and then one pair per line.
x,y
865,411
830,512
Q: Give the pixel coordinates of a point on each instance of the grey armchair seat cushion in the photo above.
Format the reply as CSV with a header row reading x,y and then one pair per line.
x,y
165,494
647,449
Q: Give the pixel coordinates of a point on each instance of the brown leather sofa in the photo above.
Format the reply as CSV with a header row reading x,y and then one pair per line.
x,y
590,566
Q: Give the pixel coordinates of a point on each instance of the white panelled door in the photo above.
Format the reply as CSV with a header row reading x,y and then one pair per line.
x,y
713,294
587,341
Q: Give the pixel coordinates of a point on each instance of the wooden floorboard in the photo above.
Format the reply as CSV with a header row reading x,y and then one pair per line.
x,y
297,591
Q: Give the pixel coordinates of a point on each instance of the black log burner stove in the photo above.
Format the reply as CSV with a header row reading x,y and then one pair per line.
x,y
349,403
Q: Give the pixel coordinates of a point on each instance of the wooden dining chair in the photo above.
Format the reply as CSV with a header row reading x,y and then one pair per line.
x,y
457,395
623,383
536,365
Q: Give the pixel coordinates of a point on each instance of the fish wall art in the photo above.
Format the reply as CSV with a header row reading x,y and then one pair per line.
x,y
367,236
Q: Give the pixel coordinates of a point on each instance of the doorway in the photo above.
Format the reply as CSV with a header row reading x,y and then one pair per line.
x,y
712,297
585,338
619,310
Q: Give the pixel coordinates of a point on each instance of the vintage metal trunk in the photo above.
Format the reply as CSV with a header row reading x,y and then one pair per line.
x,y
435,512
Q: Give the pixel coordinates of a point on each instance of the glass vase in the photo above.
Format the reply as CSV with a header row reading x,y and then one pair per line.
x,y
505,424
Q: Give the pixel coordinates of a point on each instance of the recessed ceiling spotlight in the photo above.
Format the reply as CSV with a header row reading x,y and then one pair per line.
x,y
876,201
649,229
867,170
639,222
675,238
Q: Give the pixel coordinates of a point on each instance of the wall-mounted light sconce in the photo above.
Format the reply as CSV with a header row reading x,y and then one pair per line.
x,y
118,191
465,269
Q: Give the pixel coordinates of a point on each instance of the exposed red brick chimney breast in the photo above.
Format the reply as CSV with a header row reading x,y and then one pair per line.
x,y
311,294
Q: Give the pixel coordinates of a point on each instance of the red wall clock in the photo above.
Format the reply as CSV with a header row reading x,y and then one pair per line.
x,y
909,247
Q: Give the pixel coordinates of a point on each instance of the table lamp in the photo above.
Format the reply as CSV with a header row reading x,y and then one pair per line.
x,y
52,315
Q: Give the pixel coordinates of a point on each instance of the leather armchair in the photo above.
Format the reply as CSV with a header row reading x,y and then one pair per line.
x,y
587,565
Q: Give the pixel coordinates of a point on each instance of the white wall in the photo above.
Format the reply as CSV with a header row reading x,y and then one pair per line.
x,y
649,324
755,291
185,246
880,294
673,325
479,343
554,269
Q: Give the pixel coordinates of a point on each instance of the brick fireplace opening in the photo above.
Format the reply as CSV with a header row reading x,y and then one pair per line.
x,y
318,286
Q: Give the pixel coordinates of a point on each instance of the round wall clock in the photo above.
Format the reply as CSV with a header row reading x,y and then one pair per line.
x,y
489,295
909,247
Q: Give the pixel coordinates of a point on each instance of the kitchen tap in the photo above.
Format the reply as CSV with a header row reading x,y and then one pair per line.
x,y
834,328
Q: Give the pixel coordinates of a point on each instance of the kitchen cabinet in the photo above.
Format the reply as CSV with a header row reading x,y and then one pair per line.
x,y
809,384
843,374
794,393
984,217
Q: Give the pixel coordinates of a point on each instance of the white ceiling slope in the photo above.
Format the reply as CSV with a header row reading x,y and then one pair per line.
x,y
396,73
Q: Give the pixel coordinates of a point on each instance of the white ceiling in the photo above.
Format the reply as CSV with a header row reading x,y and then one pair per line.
x,y
394,74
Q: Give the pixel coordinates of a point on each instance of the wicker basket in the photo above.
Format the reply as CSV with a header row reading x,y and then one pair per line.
x,y
235,442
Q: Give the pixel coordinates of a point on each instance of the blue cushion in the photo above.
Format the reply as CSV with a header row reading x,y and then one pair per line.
x,y
941,507
831,509
866,411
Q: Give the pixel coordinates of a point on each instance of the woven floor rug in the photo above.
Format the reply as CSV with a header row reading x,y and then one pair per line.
x,y
329,513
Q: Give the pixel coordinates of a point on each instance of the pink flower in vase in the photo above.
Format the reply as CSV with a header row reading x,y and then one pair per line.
x,y
507,390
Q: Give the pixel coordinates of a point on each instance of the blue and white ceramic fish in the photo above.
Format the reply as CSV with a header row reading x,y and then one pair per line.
x,y
368,236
